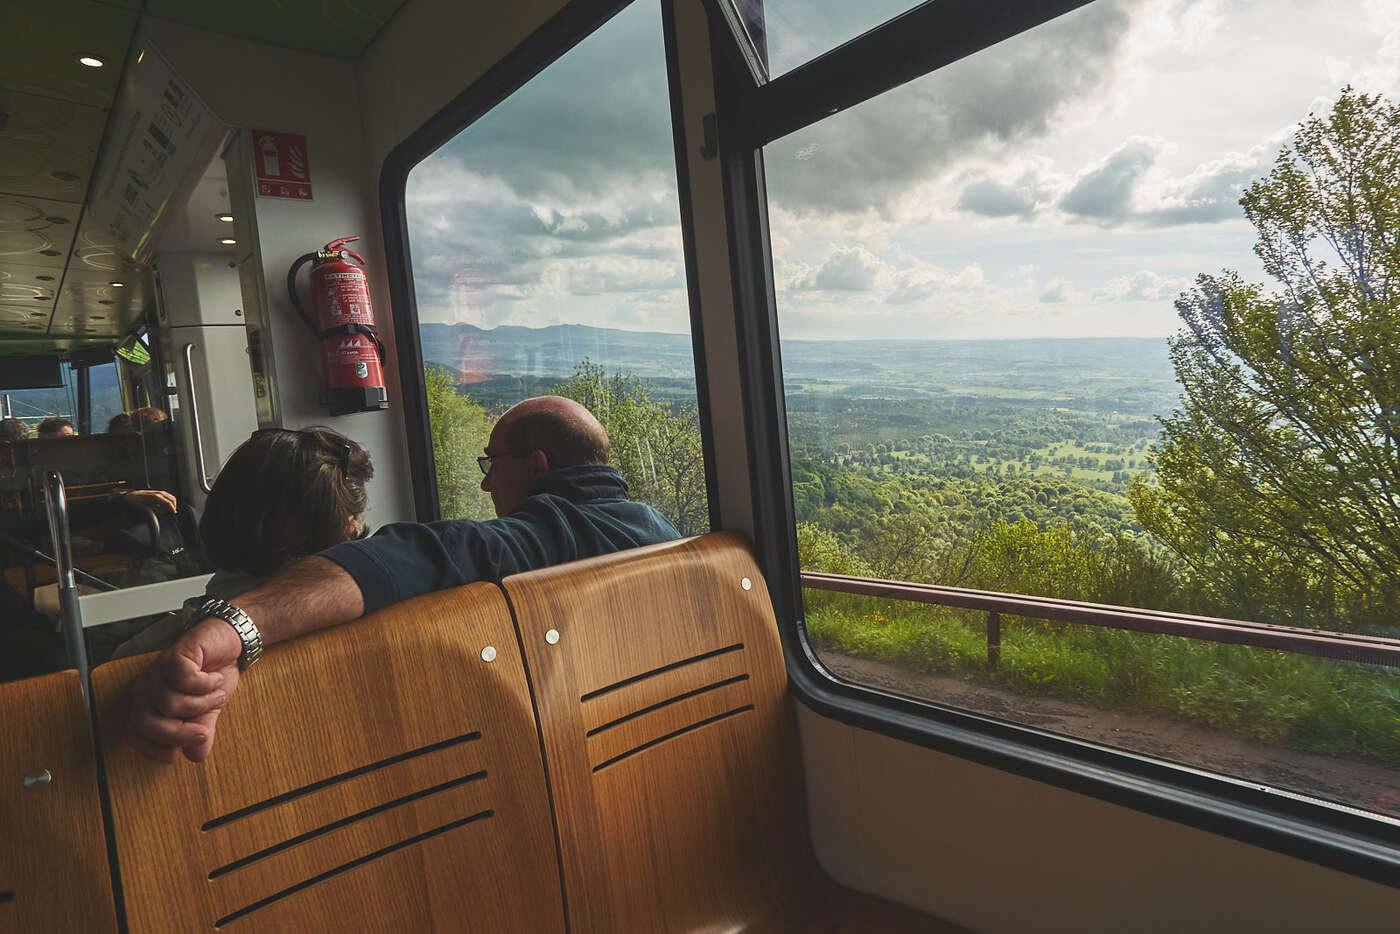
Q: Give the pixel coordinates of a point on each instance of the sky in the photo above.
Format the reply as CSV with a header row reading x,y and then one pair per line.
x,y
1071,181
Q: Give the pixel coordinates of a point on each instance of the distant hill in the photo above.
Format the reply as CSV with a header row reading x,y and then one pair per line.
x,y
1107,373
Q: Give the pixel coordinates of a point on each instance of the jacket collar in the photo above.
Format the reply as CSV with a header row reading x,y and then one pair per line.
x,y
582,483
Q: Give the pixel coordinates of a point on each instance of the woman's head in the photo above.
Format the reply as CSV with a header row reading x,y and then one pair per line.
x,y
284,494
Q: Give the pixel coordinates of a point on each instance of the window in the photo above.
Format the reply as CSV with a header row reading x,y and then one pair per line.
x,y
1002,374
547,258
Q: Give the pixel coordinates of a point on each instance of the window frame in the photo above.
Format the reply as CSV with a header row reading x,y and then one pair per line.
x,y
751,115
571,25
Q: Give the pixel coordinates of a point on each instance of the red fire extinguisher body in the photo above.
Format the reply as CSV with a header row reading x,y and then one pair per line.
x,y
344,320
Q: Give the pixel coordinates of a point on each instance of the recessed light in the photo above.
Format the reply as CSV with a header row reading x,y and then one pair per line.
x,y
50,253
117,285
226,218
65,176
97,317
38,314
40,298
91,61
44,278
105,301
227,241
55,219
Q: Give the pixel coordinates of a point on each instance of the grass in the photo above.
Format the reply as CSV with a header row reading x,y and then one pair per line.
x,y
1307,704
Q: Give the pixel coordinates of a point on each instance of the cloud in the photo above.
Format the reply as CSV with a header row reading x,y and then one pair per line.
x,y
872,157
847,269
1057,291
1105,192
1142,286
991,198
1127,188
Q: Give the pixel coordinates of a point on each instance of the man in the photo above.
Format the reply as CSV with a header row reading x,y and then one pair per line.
x,y
555,499
56,427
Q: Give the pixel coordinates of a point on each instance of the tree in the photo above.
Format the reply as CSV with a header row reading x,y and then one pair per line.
x,y
657,450
1278,480
460,429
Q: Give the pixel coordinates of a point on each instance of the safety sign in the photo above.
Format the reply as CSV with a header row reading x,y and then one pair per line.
x,y
281,166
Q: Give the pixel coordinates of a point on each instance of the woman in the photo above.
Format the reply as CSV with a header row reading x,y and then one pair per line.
x,y
281,496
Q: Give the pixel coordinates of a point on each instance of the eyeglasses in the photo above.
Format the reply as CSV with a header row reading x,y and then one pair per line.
x,y
484,461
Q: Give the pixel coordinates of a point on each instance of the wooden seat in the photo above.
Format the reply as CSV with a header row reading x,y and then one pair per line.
x,y
376,776
671,747
53,864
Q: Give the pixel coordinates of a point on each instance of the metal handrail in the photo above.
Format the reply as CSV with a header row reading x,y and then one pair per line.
x,y
71,615
1372,650
201,474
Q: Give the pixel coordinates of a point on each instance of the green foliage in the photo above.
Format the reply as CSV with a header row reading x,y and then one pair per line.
x,y
461,429
1277,480
656,448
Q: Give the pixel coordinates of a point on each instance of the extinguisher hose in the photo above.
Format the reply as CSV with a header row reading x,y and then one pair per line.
x,y
292,290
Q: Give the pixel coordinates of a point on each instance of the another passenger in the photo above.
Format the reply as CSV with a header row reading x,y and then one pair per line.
x,y
12,429
556,501
281,496
147,415
122,424
56,427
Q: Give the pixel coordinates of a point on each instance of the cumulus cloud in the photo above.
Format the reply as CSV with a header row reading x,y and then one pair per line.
x,y
1142,286
1126,187
847,269
1105,192
1057,291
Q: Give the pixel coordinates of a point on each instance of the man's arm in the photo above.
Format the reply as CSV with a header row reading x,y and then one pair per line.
x,y
177,699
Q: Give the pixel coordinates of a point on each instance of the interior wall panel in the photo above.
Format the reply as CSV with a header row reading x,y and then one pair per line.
x,y
1000,853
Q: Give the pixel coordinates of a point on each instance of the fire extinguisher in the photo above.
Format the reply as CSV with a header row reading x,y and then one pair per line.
x,y
344,322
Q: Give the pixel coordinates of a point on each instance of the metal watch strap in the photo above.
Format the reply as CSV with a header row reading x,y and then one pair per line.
x,y
242,624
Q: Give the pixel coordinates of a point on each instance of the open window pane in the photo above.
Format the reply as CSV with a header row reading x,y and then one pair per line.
x,y
1013,364
547,259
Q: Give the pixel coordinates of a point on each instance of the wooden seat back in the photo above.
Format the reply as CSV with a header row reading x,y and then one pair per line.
x,y
382,775
669,737
53,864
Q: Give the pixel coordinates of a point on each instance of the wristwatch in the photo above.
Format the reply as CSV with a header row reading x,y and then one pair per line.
x,y
247,633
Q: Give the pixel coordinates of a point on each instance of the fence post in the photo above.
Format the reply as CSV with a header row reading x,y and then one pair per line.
x,y
993,639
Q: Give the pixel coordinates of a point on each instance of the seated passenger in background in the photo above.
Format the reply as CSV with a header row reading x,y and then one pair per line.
x,y
56,428
283,495
556,500
12,429
149,415
121,424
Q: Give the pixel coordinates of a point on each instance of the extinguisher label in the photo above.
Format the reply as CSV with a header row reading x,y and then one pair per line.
x,y
351,362
342,298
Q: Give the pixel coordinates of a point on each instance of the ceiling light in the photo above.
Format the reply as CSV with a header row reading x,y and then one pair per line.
x,y
56,219
105,301
50,253
65,176
226,218
117,285
91,61
227,241
44,278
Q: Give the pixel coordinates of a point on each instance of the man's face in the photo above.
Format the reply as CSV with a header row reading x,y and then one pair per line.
x,y
509,477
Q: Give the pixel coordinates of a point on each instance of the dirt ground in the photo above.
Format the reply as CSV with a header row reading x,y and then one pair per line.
x,y
1367,785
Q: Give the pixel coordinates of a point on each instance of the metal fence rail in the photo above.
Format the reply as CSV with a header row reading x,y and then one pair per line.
x,y
1371,650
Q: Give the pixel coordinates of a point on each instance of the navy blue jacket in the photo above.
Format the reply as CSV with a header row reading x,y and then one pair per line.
x,y
570,513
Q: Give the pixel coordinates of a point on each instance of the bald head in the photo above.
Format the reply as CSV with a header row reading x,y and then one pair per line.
x,y
564,430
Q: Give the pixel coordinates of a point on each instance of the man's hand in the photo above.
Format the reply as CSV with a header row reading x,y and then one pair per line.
x,y
157,501
175,702
177,699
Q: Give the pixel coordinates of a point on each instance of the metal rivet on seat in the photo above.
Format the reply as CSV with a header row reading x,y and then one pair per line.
x,y
552,637
488,654
746,584
38,779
